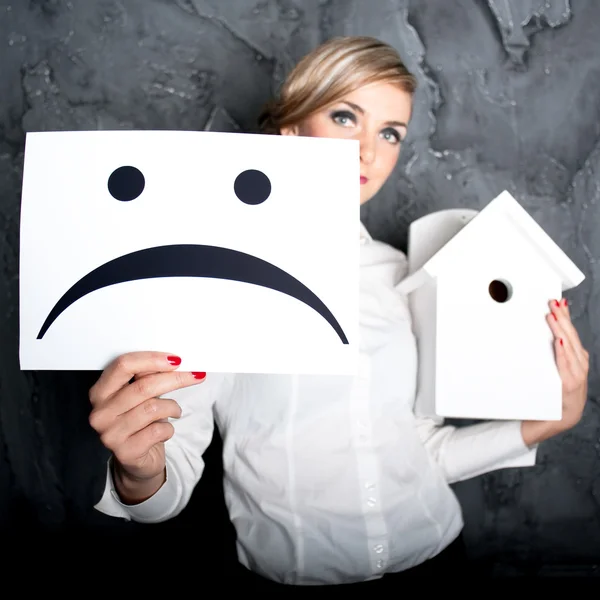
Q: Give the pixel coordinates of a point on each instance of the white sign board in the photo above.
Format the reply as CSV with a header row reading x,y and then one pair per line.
x,y
236,252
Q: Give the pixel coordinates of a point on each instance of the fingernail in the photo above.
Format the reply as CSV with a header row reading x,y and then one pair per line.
x,y
564,301
555,317
561,342
198,375
174,360
557,303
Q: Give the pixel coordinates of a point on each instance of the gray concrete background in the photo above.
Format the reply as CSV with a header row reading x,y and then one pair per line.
x,y
509,98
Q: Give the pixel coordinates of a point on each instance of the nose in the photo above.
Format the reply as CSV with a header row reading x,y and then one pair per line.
x,y
367,149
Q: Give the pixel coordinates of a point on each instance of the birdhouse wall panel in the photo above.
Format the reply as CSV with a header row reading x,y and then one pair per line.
x,y
423,308
475,335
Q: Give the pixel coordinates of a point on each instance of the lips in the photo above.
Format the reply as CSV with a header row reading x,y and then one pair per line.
x,y
190,260
363,180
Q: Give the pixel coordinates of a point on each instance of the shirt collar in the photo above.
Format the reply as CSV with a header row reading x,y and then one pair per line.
x,y
365,236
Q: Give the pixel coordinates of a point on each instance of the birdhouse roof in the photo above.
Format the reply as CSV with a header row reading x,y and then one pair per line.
x,y
504,210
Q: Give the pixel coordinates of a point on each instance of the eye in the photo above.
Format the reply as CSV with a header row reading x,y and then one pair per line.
x,y
126,183
343,117
391,135
252,187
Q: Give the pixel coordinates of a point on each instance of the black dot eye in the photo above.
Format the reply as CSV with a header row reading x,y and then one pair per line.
x,y
252,187
126,183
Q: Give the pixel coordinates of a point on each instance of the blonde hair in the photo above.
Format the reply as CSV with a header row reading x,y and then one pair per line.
x,y
329,72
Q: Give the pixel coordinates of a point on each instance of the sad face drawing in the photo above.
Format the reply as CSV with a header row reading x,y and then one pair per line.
x,y
103,210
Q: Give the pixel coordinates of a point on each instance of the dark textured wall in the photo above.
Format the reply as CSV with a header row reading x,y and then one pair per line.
x,y
509,99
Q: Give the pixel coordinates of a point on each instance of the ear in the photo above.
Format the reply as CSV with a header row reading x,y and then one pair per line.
x,y
290,130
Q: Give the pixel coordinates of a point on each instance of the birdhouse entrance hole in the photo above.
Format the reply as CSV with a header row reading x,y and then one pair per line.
x,y
500,291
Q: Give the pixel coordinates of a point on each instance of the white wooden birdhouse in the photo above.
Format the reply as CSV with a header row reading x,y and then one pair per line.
x,y
479,285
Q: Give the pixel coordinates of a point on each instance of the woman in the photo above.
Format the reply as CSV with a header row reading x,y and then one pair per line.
x,y
328,480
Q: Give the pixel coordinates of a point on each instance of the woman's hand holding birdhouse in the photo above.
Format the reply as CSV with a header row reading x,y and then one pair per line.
x,y
573,362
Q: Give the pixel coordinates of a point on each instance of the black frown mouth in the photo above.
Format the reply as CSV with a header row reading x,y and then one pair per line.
x,y
190,260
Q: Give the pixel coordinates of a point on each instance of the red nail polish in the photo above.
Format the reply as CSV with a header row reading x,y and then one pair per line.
x,y
174,360
561,342
564,301
555,317
198,375
557,303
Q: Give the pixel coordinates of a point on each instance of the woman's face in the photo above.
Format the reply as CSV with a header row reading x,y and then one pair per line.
x,y
377,116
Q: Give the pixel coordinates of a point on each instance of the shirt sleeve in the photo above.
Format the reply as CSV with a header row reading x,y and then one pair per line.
x,y
183,455
466,452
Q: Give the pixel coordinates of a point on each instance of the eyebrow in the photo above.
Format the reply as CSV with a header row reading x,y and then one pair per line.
x,y
361,110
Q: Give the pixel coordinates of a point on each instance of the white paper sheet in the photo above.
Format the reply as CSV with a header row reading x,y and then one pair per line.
x,y
185,267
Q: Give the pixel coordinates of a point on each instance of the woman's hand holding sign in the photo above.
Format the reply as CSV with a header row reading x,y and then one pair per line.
x,y
131,417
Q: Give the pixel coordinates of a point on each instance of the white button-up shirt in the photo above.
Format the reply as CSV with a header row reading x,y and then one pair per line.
x,y
332,479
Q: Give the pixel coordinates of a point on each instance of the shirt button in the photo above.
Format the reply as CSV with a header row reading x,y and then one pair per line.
x,y
379,564
378,548
371,501
370,486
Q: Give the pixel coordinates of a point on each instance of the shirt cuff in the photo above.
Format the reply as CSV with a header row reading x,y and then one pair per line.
x,y
155,509
495,445
520,455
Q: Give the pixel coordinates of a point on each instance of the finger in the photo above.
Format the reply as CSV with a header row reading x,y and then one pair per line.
x,y
138,445
558,320
561,344
141,375
150,386
152,410
562,362
555,321
572,372
565,371
120,372
568,330
566,360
